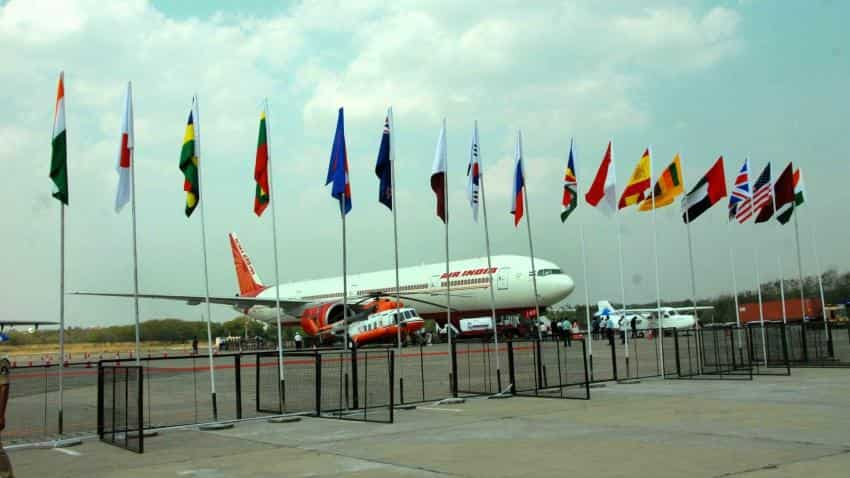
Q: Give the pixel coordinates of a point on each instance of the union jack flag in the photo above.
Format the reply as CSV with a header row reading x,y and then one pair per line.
x,y
740,201
762,190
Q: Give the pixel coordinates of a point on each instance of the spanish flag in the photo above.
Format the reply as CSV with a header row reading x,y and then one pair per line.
x,y
261,171
668,187
190,161
638,184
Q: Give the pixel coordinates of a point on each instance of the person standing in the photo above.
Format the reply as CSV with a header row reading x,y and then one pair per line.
x,y
5,464
567,329
298,341
195,345
634,327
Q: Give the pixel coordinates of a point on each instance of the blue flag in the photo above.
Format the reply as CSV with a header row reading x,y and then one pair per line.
x,y
338,168
383,168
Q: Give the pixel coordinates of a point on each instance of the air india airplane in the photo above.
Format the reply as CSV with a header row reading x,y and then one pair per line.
x,y
317,306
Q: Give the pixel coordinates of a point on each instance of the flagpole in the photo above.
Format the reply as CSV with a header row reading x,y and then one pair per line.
x,y
586,295
660,340
693,286
820,282
530,242
201,194
61,314
133,213
622,277
779,258
448,272
758,284
734,283
799,263
399,368
282,392
489,267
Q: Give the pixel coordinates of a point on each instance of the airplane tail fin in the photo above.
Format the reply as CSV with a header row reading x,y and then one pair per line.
x,y
249,281
604,308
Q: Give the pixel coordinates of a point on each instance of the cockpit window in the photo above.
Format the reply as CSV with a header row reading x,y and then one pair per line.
x,y
547,272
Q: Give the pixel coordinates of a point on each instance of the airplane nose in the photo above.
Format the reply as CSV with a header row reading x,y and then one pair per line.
x,y
562,285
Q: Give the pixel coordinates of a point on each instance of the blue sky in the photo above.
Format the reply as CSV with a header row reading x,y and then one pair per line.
x,y
755,78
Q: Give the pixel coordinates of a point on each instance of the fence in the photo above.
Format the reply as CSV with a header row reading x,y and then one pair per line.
x,y
120,410
768,347
711,353
549,369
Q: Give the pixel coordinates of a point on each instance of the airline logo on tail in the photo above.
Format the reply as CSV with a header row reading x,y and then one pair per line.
x,y
605,309
249,281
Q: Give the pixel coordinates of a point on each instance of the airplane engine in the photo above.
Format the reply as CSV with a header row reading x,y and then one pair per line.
x,y
316,318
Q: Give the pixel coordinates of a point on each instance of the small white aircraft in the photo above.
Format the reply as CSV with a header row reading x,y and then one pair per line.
x,y
645,319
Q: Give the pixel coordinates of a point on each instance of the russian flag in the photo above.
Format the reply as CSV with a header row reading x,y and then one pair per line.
x,y
519,183
338,168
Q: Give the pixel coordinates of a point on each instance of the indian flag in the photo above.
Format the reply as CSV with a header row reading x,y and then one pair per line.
x,y
59,156
799,188
190,161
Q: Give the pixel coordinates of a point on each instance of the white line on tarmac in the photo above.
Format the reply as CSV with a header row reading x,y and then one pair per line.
x,y
441,409
68,452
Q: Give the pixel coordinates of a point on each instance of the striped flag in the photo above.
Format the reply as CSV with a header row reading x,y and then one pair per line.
x,y
438,173
603,190
569,201
799,188
783,195
762,196
740,201
261,169
668,187
639,182
190,161
125,153
473,175
710,189
59,151
517,206
338,168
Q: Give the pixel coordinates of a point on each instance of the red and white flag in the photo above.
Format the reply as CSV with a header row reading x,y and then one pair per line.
x,y
603,191
125,153
438,174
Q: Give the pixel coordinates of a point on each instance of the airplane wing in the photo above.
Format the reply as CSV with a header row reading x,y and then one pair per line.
x,y
699,307
15,323
235,301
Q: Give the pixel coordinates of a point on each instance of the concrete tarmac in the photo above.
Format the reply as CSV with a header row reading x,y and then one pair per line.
x,y
768,427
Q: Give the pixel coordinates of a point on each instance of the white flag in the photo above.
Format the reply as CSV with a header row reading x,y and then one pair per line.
x,y
473,175
125,153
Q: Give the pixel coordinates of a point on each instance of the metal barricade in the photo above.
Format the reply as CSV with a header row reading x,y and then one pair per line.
x,y
120,406
548,369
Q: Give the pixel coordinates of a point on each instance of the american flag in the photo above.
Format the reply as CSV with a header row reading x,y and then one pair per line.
x,y
762,190
740,201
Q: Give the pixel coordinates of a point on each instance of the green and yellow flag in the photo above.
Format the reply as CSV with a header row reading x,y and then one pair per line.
x,y
668,187
189,163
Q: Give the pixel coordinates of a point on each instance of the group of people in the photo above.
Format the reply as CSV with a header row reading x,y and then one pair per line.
x,y
608,327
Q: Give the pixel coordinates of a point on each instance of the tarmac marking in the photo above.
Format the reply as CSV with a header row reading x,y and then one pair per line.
x,y
68,452
441,409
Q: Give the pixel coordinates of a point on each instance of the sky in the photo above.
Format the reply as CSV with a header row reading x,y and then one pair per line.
x,y
760,79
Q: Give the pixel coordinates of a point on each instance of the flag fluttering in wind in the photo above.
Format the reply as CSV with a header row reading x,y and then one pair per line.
x,y
783,195
799,189
59,152
668,187
710,189
125,153
763,196
639,182
383,167
517,199
261,169
473,175
740,201
338,168
569,201
603,191
438,173
190,161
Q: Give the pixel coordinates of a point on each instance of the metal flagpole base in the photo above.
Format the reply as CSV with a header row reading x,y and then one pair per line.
x,y
208,427
284,419
405,407
628,382
65,443
451,401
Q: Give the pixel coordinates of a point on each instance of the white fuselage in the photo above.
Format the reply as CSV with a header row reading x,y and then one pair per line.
x,y
470,287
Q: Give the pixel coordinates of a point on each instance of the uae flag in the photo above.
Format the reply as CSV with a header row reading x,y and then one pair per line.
x,y
603,191
125,153
783,195
438,173
710,189
261,169
59,153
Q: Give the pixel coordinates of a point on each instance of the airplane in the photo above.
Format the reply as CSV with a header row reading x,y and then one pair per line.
x,y
317,305
645,319
15,323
